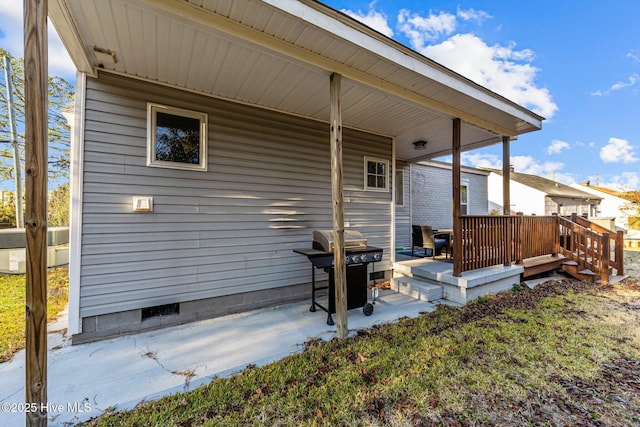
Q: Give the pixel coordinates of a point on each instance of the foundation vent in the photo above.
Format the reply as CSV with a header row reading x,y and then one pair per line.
x,y
160,310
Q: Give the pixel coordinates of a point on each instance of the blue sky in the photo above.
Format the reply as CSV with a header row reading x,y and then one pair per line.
x,y
575,62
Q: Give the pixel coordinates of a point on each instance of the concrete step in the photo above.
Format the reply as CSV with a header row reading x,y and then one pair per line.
x,y
405,268
613,279
417,289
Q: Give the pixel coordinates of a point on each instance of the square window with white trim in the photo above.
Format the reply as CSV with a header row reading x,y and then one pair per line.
x,y
376,174
176,138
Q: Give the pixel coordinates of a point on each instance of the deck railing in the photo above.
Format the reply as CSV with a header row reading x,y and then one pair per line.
x,y
485,241
616,242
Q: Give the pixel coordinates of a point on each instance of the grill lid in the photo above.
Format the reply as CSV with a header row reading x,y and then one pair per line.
x,y
353,239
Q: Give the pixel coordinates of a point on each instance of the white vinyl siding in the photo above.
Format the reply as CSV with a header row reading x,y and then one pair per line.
x,y
403,212
225,231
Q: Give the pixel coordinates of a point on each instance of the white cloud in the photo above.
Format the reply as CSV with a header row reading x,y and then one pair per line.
x,y
585,144
634,56
376,20
631,81
557,146
11,39
521,164
420,29
481,160
618,151
626,181
473,15
503,69
532,166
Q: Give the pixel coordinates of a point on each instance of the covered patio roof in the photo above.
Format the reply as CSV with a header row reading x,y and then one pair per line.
x,y
279,54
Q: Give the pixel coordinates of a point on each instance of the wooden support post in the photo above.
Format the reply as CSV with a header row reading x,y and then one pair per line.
x,y
457,232
506,176
339,265
619,252
509,240
36,130
605,254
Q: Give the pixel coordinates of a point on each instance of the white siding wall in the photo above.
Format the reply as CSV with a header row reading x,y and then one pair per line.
x,y
523,199
225,231
610,206
403,212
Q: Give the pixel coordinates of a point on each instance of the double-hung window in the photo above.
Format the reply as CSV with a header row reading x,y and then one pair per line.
x,y
376,174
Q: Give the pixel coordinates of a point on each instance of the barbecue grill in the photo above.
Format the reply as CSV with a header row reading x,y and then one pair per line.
x,y
358,255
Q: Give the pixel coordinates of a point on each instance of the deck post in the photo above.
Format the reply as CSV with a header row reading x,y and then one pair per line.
x,y
510,244
506,176
457,232
337,202
619,252
605,257
36,132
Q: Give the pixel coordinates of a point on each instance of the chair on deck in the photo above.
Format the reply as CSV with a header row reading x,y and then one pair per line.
x,y
422,236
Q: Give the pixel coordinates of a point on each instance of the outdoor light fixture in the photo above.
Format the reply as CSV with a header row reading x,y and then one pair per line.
x,y
420,145
105,55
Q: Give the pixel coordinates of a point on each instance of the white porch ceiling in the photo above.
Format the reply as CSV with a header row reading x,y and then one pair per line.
x,y
279,54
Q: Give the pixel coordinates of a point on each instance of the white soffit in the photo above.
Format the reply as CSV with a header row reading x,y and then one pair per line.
x,y
278,54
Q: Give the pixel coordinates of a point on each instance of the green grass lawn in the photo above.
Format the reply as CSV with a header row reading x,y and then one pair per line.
x,y
565,353
12,307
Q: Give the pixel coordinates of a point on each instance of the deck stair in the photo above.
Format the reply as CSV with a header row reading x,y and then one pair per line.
x,y
575,270
416,288
542,264
586,251
545,264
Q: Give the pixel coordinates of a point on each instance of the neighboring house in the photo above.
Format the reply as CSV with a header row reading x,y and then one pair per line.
x,y
428,196
201,149
612,206
535,195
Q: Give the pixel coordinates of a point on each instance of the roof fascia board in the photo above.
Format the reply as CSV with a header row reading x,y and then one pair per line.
x,y
598,193
198,15
63,22
379,44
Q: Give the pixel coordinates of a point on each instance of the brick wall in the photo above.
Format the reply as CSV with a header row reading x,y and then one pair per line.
x,y
431,193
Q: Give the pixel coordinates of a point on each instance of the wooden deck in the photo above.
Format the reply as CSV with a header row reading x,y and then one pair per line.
x,y
538,243
493,253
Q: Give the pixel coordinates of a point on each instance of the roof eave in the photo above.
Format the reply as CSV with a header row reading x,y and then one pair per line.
x,y
63,23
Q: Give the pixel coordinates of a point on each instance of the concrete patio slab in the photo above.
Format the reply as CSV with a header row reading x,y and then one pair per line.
x,y
87,379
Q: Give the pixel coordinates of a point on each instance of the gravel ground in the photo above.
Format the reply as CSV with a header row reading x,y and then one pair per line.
x,y
632,264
